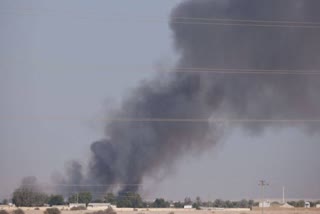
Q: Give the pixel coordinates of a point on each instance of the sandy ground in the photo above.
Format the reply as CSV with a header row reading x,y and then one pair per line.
x,y
256,211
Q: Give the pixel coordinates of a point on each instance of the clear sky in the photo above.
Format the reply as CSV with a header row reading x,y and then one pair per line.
x,y
63,64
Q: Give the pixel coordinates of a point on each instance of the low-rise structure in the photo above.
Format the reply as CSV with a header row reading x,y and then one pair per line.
x,y
100,205
307,204
264,204
76,205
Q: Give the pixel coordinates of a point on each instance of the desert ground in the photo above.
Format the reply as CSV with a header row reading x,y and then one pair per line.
x,y
193,211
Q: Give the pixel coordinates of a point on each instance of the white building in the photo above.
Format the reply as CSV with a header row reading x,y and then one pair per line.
x,y
307,204
318,206
187,206
100,205
76,205
264,204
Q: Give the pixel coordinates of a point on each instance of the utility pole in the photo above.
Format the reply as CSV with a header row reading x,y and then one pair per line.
x,y
283,200
77,197
262,183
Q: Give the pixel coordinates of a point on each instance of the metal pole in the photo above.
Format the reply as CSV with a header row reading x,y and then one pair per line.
x,y
262,198
283,201
77,198
262,183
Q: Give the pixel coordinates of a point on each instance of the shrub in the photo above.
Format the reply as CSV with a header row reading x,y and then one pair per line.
x,y
171,212
98,212
107,211
18,211
3,212
110,211
78,208
52,211
37,208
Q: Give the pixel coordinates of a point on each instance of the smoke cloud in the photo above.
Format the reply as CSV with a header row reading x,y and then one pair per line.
x,y
132,150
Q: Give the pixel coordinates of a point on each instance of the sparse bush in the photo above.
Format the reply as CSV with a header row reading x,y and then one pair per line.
x,y
110,211
97,212
107,211
37,208
171,212
3,212
135,209
52,211
78,208
18,211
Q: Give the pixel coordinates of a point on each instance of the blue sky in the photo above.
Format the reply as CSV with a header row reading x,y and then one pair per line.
x,y
65,63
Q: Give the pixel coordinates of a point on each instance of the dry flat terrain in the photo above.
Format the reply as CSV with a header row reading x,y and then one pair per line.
x,y
177,211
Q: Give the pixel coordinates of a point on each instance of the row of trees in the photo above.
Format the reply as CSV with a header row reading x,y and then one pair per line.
x,y
29,197
301,203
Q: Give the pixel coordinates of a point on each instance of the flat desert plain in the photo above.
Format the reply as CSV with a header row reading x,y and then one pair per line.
x,y
177,211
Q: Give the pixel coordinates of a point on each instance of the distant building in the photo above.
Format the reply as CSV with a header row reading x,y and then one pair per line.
x,y
264,204
76,205
318,206
187,206
307,204
100,205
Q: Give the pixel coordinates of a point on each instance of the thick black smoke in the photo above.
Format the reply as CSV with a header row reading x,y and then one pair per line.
x,y
132,150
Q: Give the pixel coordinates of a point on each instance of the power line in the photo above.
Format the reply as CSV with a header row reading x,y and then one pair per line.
x,y
247,71
214,70
245,20
193,20
236,71
190,120
201,120
79,185
248,24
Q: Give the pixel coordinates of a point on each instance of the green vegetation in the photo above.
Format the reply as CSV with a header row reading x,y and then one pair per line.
x,y
55,200
178,204
5,201
297,203
82,197
160,203
27,197
230,204
110,198
129,199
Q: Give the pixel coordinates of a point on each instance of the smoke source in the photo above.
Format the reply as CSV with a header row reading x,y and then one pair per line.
x,y
133,150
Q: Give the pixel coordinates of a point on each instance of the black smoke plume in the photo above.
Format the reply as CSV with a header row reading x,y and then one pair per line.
x,y
133,150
